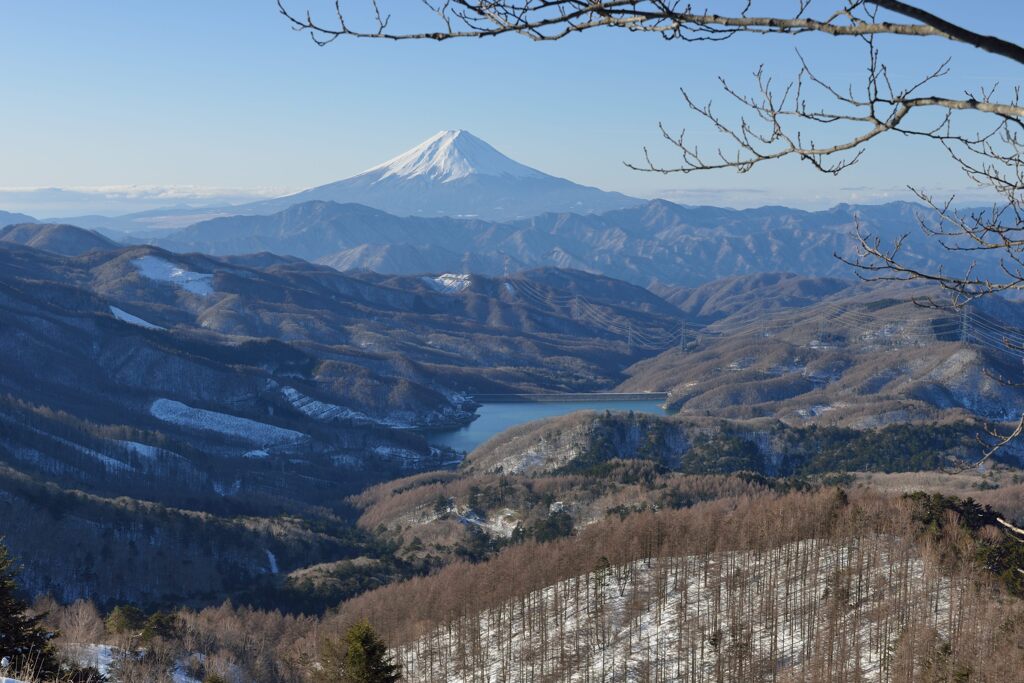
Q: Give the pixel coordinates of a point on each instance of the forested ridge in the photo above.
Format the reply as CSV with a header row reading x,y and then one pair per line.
x,y
830,584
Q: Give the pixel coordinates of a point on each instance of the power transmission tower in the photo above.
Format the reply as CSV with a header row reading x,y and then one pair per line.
x,y
965,328
576,307
682,336
507,265
629,335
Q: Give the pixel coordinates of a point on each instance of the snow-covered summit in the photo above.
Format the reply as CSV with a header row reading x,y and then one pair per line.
x,y
455,173
450,155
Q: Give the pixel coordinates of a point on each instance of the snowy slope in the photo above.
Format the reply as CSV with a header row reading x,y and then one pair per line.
x,y
455,173
450,155
258,433
688,618
127,317
101,657
161,270
448,283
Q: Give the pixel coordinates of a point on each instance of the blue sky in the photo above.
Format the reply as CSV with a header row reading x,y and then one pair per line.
x,y
224,98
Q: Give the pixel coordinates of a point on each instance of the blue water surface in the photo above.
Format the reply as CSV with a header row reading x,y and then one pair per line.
x,y
497,417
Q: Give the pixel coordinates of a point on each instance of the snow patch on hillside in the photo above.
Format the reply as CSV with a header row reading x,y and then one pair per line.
x,y
111,464
403,455
318,410
179,675
629,621
227,490
127,317
141,449
101,657
502,523
162,270
326,412
259,433
448,283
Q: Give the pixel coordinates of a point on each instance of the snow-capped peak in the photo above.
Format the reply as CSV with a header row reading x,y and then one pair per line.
x,y
450,155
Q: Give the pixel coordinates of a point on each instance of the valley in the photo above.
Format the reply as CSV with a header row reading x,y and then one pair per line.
x,y
494,418
530,429
266,395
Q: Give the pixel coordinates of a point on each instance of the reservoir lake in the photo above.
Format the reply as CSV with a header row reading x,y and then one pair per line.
x,y
497,417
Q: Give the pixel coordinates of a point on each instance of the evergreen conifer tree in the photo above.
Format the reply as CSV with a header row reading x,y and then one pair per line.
x,y
23,640
362,657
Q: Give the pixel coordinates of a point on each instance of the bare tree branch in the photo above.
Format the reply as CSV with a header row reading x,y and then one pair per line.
x,y
808,118
555,19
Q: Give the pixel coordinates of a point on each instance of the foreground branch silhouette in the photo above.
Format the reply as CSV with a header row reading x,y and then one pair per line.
x,y
808,117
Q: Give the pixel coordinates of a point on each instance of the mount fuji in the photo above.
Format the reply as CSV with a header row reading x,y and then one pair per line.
x,y
454,173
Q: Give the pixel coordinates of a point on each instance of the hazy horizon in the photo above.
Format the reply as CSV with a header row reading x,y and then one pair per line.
x,y
121,135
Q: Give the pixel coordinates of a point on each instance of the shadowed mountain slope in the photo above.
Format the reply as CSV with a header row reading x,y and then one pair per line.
x,y
58,238
653,244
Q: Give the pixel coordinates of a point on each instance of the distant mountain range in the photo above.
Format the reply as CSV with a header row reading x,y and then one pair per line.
x,y
656,243
453,173
66,240
8,218
456,204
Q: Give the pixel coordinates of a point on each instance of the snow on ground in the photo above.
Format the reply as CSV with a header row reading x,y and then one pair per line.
x,y
198,662
502,523
179,672
326,412
126,317
403,455
318,410
227,490
651,619
112,464
179,675
448,283
162,270
815,410
394,452
141,449
258,433
101,657
510,288
272,562
346,461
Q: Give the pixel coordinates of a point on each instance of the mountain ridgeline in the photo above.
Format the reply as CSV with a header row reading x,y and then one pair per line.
x,y
652,244
456,204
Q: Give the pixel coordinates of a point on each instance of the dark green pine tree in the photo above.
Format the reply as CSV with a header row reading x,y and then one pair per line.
x,y
362,657
23,640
